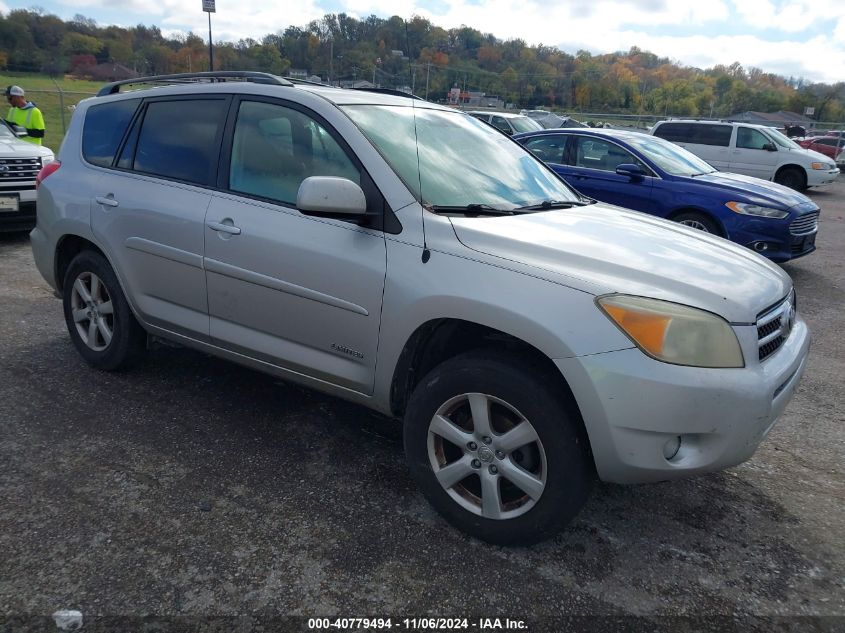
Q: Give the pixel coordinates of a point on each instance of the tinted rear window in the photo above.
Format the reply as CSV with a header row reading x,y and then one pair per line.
x,y
104,128
701,133
180,139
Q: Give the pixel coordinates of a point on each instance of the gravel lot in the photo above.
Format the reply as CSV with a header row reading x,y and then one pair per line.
x,y
191,486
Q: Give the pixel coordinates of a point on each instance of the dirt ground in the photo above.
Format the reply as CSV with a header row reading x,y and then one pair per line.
x,y
189,486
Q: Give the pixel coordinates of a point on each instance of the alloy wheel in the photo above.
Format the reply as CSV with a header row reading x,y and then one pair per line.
x,y
93,311
487,456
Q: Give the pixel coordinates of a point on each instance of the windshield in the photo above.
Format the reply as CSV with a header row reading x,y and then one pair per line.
x,y
524,124
5,132
782,139
669,157
462,161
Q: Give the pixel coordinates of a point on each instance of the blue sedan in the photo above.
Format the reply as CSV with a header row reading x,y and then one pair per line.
x,y
648,174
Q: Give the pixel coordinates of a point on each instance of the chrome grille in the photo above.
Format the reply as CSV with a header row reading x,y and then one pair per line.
x,y
806,224
774,327
18,169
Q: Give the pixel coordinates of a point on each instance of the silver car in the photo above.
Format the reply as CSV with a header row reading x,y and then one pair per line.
x,y
407,257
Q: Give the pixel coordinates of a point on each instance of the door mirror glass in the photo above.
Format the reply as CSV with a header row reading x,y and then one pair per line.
x,y
331,196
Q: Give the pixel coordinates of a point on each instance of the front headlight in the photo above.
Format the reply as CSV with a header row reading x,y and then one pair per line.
x,y
674,333
754,209
819,166
47,159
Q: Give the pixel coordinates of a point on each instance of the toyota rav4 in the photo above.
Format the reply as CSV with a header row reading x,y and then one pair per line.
x,y
410,258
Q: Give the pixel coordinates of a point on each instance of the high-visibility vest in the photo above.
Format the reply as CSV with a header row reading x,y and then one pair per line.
x,y
30,118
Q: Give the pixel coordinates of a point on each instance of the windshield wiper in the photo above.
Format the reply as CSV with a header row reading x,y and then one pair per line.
x,y
555,204
470,209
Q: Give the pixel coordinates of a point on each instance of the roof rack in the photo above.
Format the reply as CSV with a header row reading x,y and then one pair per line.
x,y
297,80
391,91
217,75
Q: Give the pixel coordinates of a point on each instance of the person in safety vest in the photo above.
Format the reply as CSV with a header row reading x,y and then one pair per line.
x,y
25,114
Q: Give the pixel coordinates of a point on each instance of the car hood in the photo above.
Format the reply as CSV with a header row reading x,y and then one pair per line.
x,y
813,154
603,249
755,189
15,148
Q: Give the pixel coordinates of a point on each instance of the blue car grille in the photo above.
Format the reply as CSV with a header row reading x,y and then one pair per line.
x,y
806,224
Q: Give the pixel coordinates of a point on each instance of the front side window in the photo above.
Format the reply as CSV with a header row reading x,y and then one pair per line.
x,y
448,159
749,138
501,124
179,140
275,148
599,154
104,127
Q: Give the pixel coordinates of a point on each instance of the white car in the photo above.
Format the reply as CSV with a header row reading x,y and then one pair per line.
x,y
753,150
20,163
507,122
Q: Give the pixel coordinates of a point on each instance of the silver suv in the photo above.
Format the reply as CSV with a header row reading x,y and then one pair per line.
x,y
410,258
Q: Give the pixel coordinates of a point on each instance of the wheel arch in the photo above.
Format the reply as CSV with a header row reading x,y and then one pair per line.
x,y
68,247
710,216
438,340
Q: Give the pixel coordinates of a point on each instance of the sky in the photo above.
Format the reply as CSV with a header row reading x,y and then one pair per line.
x,y
800,38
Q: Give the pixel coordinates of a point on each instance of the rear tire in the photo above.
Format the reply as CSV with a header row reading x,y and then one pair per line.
x,y
520,476
696,220
99,320
792,177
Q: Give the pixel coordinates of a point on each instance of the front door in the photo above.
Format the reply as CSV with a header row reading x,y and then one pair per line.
x,y
297,291
751,156
589,164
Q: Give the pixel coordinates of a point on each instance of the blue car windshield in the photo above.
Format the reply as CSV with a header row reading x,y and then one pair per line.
x,y
669,157
450,159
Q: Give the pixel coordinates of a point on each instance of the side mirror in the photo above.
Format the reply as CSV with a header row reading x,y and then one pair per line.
x,y
632,171
770,147
18,130
331,196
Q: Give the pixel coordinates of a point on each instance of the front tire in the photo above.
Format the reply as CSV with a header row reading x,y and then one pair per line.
x,y
792,177
696,220
496,448
99,320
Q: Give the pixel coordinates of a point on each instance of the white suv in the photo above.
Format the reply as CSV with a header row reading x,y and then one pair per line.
x,y
20,163
753,150
412,259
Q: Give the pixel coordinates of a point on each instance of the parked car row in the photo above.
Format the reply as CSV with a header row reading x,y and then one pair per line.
x,y
831,146
647,173
753,150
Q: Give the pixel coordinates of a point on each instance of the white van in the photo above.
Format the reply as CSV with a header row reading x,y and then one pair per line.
x,y
754,150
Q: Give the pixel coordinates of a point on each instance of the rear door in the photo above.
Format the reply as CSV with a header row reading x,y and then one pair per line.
x,y
149,209
750,155
297,291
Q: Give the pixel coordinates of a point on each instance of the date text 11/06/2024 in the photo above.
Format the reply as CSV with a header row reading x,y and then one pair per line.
x,y
417,624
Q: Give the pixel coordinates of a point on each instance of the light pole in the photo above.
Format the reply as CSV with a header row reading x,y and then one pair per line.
x,y
208,7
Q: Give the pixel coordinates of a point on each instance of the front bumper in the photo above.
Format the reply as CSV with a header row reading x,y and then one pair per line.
x,y
820,177
21,220
633,405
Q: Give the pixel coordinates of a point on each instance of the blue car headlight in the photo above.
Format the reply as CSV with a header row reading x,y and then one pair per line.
x,y
746,208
